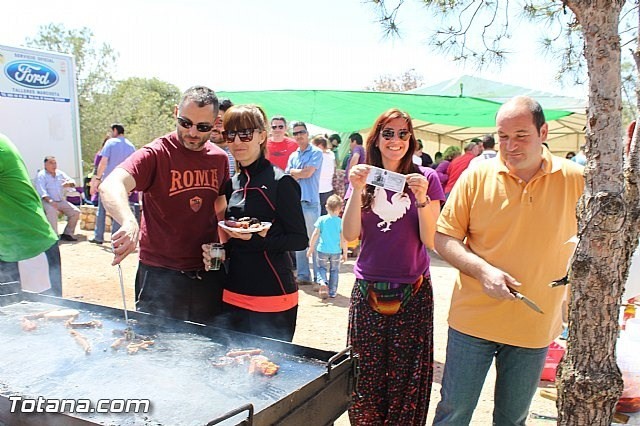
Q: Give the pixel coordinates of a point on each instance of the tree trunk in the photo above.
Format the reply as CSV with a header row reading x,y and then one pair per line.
x,y
589,381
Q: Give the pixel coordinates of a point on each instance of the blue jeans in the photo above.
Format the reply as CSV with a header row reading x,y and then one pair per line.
x,y
333,261
311,212
468,360
98,232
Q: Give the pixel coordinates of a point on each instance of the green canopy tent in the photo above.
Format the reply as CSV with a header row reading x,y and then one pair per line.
x,y
439,121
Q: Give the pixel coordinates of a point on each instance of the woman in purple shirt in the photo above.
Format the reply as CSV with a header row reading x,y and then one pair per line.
x,y
447,157
391,312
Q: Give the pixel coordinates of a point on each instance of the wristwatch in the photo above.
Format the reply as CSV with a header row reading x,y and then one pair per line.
x,y
422,205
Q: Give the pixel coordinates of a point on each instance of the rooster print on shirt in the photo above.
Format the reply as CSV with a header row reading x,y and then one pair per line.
x,y
389,211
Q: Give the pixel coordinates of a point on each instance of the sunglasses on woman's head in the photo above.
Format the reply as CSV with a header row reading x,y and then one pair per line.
x,y
388,134
245,135
187,124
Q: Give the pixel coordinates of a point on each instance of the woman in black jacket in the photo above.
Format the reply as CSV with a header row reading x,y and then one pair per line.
x,y
261,295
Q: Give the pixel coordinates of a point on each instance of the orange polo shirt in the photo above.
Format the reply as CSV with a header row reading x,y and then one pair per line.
x,y
523,229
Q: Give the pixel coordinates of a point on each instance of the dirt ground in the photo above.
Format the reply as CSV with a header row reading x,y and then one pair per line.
x,y
89,277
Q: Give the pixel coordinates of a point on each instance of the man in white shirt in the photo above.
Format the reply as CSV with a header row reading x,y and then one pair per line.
x,y
488,143
51,185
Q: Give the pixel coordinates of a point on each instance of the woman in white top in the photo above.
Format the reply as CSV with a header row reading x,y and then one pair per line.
x,y
326,172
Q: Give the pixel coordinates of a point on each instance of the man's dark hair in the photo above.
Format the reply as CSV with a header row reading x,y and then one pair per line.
x,y
118,127
538,114
298,123
534,107
49,157
357,137
279,118
225,104
488,142
335,137
202,96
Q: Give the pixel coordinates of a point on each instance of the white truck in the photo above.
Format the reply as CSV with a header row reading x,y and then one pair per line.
x,y
39,108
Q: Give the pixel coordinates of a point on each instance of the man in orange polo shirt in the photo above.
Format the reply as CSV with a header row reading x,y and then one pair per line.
x,y
506,224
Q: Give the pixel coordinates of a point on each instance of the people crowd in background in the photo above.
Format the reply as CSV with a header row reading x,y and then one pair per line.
x,y
217,135
304,165
327,171
331,247
251,167
114,151
279,145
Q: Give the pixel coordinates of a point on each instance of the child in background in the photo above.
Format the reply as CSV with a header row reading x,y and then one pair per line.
x,y
331,247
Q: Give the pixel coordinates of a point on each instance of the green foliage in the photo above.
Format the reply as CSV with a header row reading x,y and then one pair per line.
x,y
143,106
408,80
94,64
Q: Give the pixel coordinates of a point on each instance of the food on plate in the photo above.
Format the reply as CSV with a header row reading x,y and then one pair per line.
x,y
61,314
28,325
87,324
82,341
243,223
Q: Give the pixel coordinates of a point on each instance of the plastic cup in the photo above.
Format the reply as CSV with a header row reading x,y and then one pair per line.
x,y
216,251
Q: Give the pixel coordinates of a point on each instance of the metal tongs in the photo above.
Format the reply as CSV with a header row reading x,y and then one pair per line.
x,y
128,332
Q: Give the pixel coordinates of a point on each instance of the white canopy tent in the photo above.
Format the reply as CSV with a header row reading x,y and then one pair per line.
x,y
565,134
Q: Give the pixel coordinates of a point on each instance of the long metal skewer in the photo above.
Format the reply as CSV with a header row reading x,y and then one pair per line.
x,y
124,300
128,332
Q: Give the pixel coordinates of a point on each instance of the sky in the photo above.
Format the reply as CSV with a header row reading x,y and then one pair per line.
x,y
238,45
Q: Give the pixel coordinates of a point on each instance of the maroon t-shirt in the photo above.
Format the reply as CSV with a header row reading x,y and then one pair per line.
x,y
278,152
180,188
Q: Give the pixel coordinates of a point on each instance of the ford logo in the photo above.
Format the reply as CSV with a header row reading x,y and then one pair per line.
x,y
31,74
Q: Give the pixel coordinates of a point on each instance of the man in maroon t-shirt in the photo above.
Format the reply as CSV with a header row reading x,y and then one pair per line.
x,y
280,147
181,176
460,164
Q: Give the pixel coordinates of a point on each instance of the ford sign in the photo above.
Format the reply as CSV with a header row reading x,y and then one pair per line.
x,y
31,74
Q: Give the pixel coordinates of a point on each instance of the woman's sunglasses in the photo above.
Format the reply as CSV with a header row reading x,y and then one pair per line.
x,y
388,134
245,135
187,124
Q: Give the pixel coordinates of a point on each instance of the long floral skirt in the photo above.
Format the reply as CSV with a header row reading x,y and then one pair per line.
x,y
396,360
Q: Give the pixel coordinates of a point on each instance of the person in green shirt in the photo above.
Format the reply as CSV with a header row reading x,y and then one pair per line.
x,y
24,229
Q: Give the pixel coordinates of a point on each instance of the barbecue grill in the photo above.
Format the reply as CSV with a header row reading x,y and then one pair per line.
x,y
176,374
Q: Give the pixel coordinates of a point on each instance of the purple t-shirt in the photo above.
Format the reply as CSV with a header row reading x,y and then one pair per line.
x,y
392,224
358,149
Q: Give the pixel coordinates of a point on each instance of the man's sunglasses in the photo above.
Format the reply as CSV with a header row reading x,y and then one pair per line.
x,y
277,126
245,135
301,132
388,134
187,124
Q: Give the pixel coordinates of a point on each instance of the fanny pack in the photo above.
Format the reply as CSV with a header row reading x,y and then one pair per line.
x,y
388,298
